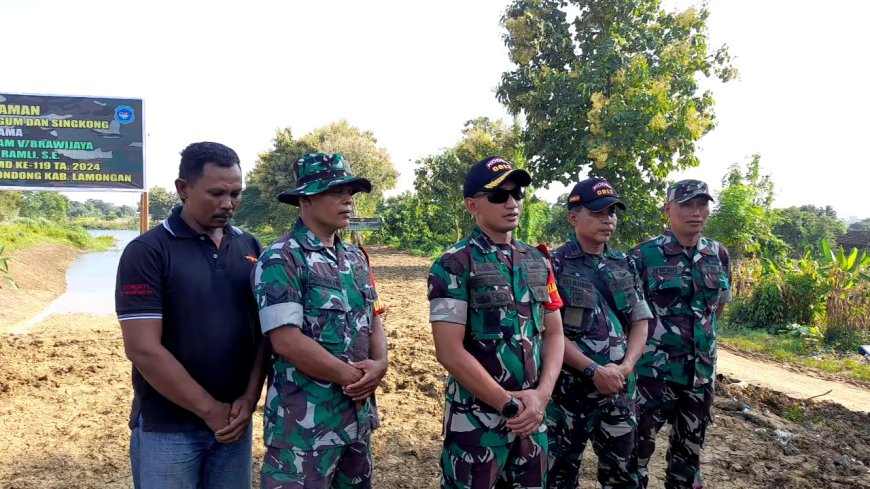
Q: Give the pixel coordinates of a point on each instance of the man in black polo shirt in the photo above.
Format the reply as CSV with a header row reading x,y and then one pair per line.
x,y
190,329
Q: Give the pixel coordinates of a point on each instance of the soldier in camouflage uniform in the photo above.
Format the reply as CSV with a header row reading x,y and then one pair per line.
x,y
603,296
491,303
317,303
687,279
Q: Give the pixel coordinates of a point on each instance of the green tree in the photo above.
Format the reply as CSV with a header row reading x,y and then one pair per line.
x,y
48,205
10,204
612,91
439,181
806,226
742,220
862,225
80,209
407,224
161,202
125,211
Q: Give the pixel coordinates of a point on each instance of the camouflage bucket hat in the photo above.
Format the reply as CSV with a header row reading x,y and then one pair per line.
x,y
317,172
686,190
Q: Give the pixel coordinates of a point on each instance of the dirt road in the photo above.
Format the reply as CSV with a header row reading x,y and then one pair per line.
x,y
790,383
64,400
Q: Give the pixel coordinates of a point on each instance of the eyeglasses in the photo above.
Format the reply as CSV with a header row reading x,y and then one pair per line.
x,y
501,196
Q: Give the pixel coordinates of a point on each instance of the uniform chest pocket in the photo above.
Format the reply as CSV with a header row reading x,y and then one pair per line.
x,y
715,281
577,292
666,279
362,279
714,277
579,296
665,285
537,281
623,289
325,309
488,297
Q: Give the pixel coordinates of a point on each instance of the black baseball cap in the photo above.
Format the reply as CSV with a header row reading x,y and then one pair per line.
x,y
595,194
492,172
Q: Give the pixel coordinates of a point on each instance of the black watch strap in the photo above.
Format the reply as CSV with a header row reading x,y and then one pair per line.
x,y
590,369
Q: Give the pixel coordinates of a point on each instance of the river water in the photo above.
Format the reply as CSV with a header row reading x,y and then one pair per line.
x,y
90,282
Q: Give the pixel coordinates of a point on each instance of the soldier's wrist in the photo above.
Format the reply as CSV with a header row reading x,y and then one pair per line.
x,y
589,370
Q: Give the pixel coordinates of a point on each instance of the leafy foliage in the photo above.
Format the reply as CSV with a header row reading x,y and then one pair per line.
x,y
10,203
741,219
830,296
847,298
161,202
612,91
4,269
804,227
862,225
48,205
96,208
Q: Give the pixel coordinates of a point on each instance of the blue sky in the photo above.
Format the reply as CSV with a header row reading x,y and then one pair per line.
x,y
414,72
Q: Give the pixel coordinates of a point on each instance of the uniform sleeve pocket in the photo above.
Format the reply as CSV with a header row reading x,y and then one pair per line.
x,y
624,292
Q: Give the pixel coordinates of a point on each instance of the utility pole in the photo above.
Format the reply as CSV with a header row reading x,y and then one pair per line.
x,y
143,213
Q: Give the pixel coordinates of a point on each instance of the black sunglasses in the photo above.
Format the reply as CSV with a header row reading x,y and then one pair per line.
x,y
500,196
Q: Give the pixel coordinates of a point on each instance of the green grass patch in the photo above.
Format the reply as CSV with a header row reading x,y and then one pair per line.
x,y
24,233
795,350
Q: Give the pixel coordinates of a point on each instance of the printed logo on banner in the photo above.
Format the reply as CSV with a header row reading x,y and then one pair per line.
x,y
124,114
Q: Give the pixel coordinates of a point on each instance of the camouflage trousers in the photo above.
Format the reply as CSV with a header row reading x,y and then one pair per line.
x,y
522,464
342,467
579,413
687,410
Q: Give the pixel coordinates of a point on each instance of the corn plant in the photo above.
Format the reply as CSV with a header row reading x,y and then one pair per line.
x,y
4,269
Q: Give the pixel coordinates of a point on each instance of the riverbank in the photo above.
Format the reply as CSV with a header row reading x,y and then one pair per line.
x,y
40,254
40,273
23,233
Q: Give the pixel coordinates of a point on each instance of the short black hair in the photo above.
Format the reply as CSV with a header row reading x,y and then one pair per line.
x,y
196,155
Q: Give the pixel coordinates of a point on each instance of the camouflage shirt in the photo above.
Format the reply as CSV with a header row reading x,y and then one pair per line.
x,y
588,320
685,286
499,293
299,282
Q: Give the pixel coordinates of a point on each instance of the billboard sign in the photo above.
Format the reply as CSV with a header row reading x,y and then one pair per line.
x,y
50,142
365,224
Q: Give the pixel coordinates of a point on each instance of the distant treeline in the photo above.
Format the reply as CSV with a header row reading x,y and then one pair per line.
x,y
53,206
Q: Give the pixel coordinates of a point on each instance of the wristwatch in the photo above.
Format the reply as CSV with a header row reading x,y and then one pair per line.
x,y
511,408
590,369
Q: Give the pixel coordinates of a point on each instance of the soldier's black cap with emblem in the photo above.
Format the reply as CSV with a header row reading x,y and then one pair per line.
x,y
491,173
595,194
